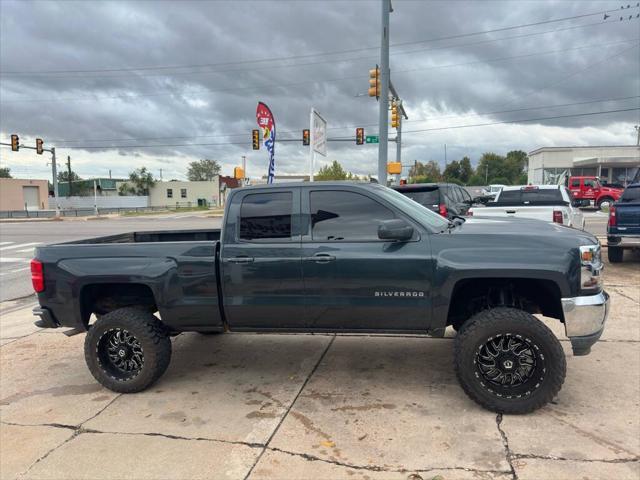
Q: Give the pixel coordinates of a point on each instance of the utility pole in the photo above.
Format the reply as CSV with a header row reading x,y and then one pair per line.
x,y
244,170
399,137
637,127
445,155
486,175
160,174
69,194
54,171
385,74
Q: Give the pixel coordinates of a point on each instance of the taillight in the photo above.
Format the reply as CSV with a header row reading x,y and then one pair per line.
x,y
470,213
612,216
37,275
442,209
557,216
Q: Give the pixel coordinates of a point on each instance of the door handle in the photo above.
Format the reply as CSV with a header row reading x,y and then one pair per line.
x,y
241,259
510,211
322,258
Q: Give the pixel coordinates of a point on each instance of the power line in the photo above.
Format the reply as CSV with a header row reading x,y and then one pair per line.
x,y
108,147
311,55
306,82
454,127
254,68
344,127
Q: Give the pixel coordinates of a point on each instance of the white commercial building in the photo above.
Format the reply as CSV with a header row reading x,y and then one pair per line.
x,y
614,164
186,194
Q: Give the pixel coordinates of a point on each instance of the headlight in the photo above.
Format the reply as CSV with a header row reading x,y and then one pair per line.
x,y
590,267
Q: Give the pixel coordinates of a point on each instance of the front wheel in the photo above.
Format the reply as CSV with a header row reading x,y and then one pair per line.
x,y
508,361
127,350
605,202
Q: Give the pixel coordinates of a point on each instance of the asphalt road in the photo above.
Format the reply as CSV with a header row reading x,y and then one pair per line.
x,y
17,240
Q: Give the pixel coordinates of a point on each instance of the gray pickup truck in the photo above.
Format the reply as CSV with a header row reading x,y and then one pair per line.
x,y
335,257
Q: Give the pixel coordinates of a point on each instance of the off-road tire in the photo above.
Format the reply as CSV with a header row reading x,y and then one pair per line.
x,y
615,254
546,378
151,337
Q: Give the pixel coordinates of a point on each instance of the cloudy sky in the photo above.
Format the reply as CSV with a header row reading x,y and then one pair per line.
x,y
121,77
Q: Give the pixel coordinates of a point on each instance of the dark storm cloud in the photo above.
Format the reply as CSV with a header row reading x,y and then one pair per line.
x,y
437,78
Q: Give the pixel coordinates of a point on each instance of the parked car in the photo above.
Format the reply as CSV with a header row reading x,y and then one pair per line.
x,y
549,203
447,199
623,228
334,257
591,193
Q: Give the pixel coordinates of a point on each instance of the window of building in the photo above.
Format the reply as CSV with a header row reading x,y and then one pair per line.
x,y
266,216
183,193
345,216
169,192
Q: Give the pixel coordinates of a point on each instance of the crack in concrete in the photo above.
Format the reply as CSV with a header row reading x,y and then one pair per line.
x,y
507,450
626,296
286,414
517,456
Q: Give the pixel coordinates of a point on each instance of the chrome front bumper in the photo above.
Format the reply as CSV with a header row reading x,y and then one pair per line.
x,y
584,319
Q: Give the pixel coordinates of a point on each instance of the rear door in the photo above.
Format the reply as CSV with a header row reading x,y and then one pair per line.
x,y
261,260
353,280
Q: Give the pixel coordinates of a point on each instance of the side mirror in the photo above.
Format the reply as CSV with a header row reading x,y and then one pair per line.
x,y
396,229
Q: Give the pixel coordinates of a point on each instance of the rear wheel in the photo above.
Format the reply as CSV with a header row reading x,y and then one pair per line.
x,y
615,254
127,350
508,361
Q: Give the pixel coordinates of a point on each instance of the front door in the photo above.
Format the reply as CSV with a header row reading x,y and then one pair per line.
x,y
261,263
353,280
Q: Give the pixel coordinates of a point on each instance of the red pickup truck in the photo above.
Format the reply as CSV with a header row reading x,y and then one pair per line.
x,y
590,192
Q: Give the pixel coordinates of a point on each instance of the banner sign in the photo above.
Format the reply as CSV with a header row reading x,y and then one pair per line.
x,y
267,125
318,133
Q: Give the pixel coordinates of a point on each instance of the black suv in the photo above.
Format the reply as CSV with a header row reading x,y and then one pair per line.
x,y
447,199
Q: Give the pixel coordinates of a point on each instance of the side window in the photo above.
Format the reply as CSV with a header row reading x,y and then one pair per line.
x,y
575,183
266,216
169,192
345,216
590,183
183,193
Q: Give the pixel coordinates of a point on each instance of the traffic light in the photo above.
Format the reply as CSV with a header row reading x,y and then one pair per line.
x,y
238,173
39,144
395,118
359,136
374,82
306,137
15,143
255,135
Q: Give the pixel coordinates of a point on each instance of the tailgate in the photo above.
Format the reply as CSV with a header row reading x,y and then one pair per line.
x,y
537,213
628,217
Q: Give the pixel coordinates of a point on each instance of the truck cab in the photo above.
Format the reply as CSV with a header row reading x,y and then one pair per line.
x,y
591,192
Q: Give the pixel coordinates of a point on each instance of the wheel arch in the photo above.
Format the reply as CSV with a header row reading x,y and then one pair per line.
x,y
102,298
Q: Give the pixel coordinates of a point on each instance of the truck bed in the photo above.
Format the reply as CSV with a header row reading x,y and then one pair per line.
x,y
202,235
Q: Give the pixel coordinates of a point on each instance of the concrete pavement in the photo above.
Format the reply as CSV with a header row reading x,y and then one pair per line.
x,y
315,406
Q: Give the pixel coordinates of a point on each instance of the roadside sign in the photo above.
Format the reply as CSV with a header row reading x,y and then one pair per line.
x,y
318,133
372,139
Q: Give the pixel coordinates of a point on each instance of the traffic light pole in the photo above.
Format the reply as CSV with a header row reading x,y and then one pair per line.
x,y
385,75
54,171
399,143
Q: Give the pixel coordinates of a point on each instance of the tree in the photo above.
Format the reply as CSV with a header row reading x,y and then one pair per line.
x,y
499,181
334,172
465,169
452,171
203,170
63,176
140,181
5,172
476,180
425,172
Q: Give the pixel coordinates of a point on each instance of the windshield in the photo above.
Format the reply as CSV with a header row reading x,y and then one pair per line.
x,y
631,194
413,209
